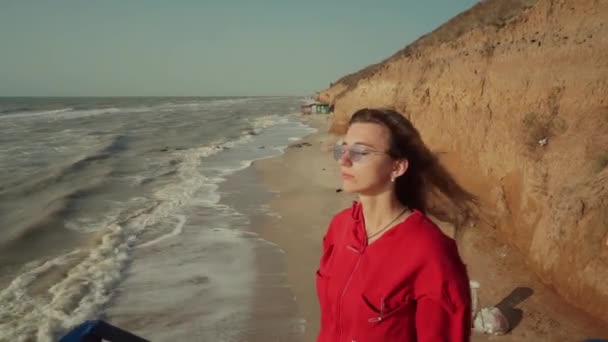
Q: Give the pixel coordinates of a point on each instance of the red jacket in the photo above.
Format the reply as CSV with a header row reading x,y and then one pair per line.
x,y
409,285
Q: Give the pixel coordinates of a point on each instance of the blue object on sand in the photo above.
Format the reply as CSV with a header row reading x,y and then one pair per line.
x,y
98,331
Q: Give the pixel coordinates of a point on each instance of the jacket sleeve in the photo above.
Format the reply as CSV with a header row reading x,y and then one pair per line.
x,y
443,311
327,245
328,237
438,320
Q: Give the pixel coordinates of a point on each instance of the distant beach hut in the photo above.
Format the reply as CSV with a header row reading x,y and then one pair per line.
x,y
322,108
316,108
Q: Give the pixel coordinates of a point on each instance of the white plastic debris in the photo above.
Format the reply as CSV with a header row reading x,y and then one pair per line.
x,y
491,320
542,142
474,285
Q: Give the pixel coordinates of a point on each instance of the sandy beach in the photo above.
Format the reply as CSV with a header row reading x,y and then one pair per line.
x,y
304,182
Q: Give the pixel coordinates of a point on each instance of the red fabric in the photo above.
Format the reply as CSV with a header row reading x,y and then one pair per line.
x,y
409,285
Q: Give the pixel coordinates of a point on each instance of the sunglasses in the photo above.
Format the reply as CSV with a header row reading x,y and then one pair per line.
x,y
355,153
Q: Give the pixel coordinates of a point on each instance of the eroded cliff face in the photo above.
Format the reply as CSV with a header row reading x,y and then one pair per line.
x,y
518,92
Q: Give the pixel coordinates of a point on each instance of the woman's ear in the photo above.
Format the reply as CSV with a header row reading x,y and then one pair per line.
x,y
399,168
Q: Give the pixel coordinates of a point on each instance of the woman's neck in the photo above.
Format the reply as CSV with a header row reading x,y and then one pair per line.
x,y
379,210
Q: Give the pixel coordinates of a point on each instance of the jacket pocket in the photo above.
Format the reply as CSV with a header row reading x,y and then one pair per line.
x,y
380,309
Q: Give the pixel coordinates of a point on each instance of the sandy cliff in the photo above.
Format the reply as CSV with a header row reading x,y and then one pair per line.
x,y
516,92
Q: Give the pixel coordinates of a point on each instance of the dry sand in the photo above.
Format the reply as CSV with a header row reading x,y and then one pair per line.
x,y
304,182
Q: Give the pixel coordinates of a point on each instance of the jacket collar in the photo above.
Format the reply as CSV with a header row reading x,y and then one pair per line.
x,y
357,211
358,234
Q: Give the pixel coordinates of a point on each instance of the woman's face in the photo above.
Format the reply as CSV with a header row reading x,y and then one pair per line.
x,y
366,167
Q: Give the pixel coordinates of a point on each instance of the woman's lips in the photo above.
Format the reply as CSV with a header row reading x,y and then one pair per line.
x,y
347,175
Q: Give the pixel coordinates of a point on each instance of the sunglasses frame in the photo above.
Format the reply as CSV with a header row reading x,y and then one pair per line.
x,y
354,155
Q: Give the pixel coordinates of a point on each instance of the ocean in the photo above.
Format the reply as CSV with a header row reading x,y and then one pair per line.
x,y
132,210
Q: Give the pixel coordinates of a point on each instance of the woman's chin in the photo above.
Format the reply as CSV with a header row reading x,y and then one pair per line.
x,y
348,186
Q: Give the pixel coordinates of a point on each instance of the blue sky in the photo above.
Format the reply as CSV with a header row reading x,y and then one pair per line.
x,y
201,48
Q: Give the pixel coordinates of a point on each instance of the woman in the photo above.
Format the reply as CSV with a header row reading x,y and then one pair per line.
x,y
387,272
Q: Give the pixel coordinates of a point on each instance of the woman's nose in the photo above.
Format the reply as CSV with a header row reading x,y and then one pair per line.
x,y
345,159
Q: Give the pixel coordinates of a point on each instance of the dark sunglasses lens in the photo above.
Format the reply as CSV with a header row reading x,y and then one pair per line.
x,y
355,155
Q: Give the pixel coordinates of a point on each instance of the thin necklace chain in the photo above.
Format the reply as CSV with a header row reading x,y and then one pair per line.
x,y
388,225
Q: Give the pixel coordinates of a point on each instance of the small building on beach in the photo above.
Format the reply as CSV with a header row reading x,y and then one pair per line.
x,y
316,107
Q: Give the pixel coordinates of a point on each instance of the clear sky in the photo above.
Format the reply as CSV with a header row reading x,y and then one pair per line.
x,y
204,47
